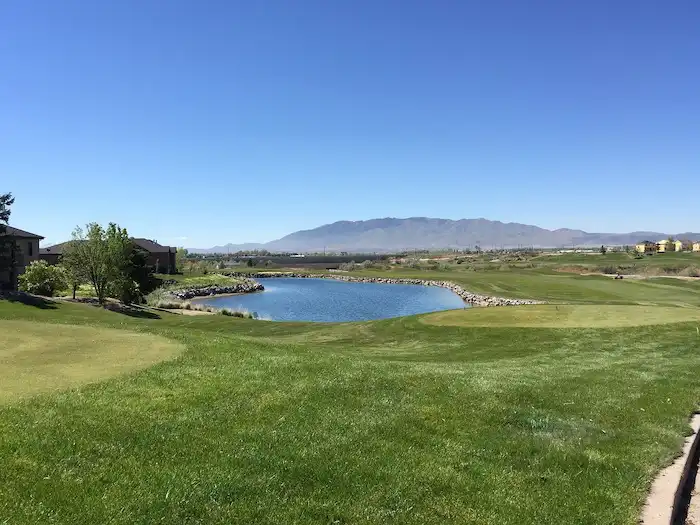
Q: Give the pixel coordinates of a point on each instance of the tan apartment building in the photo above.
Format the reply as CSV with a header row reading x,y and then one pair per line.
x,y
669,246
646,247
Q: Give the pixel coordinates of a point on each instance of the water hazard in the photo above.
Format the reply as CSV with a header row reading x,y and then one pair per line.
x,y
326,300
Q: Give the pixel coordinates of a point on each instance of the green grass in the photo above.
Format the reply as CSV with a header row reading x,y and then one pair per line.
x,y
396,421
37,357
564,287
565,316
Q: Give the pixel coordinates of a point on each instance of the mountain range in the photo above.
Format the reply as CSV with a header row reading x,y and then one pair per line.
x,y
392,235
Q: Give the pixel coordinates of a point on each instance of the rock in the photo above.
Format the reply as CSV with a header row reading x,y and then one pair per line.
x,y
245,286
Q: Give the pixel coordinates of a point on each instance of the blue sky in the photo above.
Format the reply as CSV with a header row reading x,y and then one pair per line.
x,y
201,123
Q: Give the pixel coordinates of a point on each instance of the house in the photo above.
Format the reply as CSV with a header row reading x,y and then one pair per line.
x,y
667,245
645,247
696,246
686,245
162,258
24,249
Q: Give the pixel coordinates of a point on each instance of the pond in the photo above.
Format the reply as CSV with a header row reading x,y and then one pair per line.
x,y
326,300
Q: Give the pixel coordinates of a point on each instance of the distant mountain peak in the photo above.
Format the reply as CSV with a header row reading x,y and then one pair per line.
x,y
392,234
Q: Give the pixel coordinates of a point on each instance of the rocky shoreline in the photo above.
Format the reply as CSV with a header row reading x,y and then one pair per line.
x,y
245,286
468,297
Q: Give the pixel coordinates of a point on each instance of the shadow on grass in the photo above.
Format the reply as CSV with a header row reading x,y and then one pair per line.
x,y
132,311
29,300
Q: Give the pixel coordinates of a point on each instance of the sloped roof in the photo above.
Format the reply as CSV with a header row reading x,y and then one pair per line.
x,y
149,246
55,249
16,232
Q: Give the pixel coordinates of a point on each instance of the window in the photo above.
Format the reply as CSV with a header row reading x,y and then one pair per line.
x,y
31,249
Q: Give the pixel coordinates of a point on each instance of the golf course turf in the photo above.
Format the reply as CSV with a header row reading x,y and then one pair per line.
x,y
519,415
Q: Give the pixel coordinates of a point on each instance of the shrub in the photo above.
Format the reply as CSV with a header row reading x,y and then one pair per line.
x,y
42,279
690,272
243,314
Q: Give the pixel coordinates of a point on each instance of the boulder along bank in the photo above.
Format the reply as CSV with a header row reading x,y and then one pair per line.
x,y
245,286
468,297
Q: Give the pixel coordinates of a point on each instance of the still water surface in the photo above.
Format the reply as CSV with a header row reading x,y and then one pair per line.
x,y
325,300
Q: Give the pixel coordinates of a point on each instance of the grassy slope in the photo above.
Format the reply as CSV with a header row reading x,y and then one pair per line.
x,y
38,357
393,421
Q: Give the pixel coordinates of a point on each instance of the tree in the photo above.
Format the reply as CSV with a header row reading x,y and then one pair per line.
x,y
180,256
101,256
603,250
73,275
7,245
137,279
42,279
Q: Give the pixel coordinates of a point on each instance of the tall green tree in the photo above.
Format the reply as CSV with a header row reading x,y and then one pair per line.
x,y
7,245
100,256
180,257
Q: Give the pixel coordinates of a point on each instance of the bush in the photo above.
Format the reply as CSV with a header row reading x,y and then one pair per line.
x,y
42,279
690,272
243,314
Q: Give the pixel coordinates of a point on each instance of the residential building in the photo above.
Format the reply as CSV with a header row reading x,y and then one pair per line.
x,y
696,246
646,247
669,246
162,258
686,245
23,248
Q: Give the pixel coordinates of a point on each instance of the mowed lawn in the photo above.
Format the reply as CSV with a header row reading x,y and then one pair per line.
x,y
411,421
39,357
560,287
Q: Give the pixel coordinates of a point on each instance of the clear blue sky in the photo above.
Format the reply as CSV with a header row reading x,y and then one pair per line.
x,y
200,123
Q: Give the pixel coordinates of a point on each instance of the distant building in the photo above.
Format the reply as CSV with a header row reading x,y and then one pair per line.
x,y
162,258
696,246
25,249
669,246
646,247
686,245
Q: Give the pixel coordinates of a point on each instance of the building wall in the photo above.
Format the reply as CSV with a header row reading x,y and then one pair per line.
x,y
164,262
26,251
696,246
51,258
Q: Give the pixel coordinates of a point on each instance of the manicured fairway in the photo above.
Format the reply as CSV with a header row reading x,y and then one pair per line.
x,y
565,316
477,420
